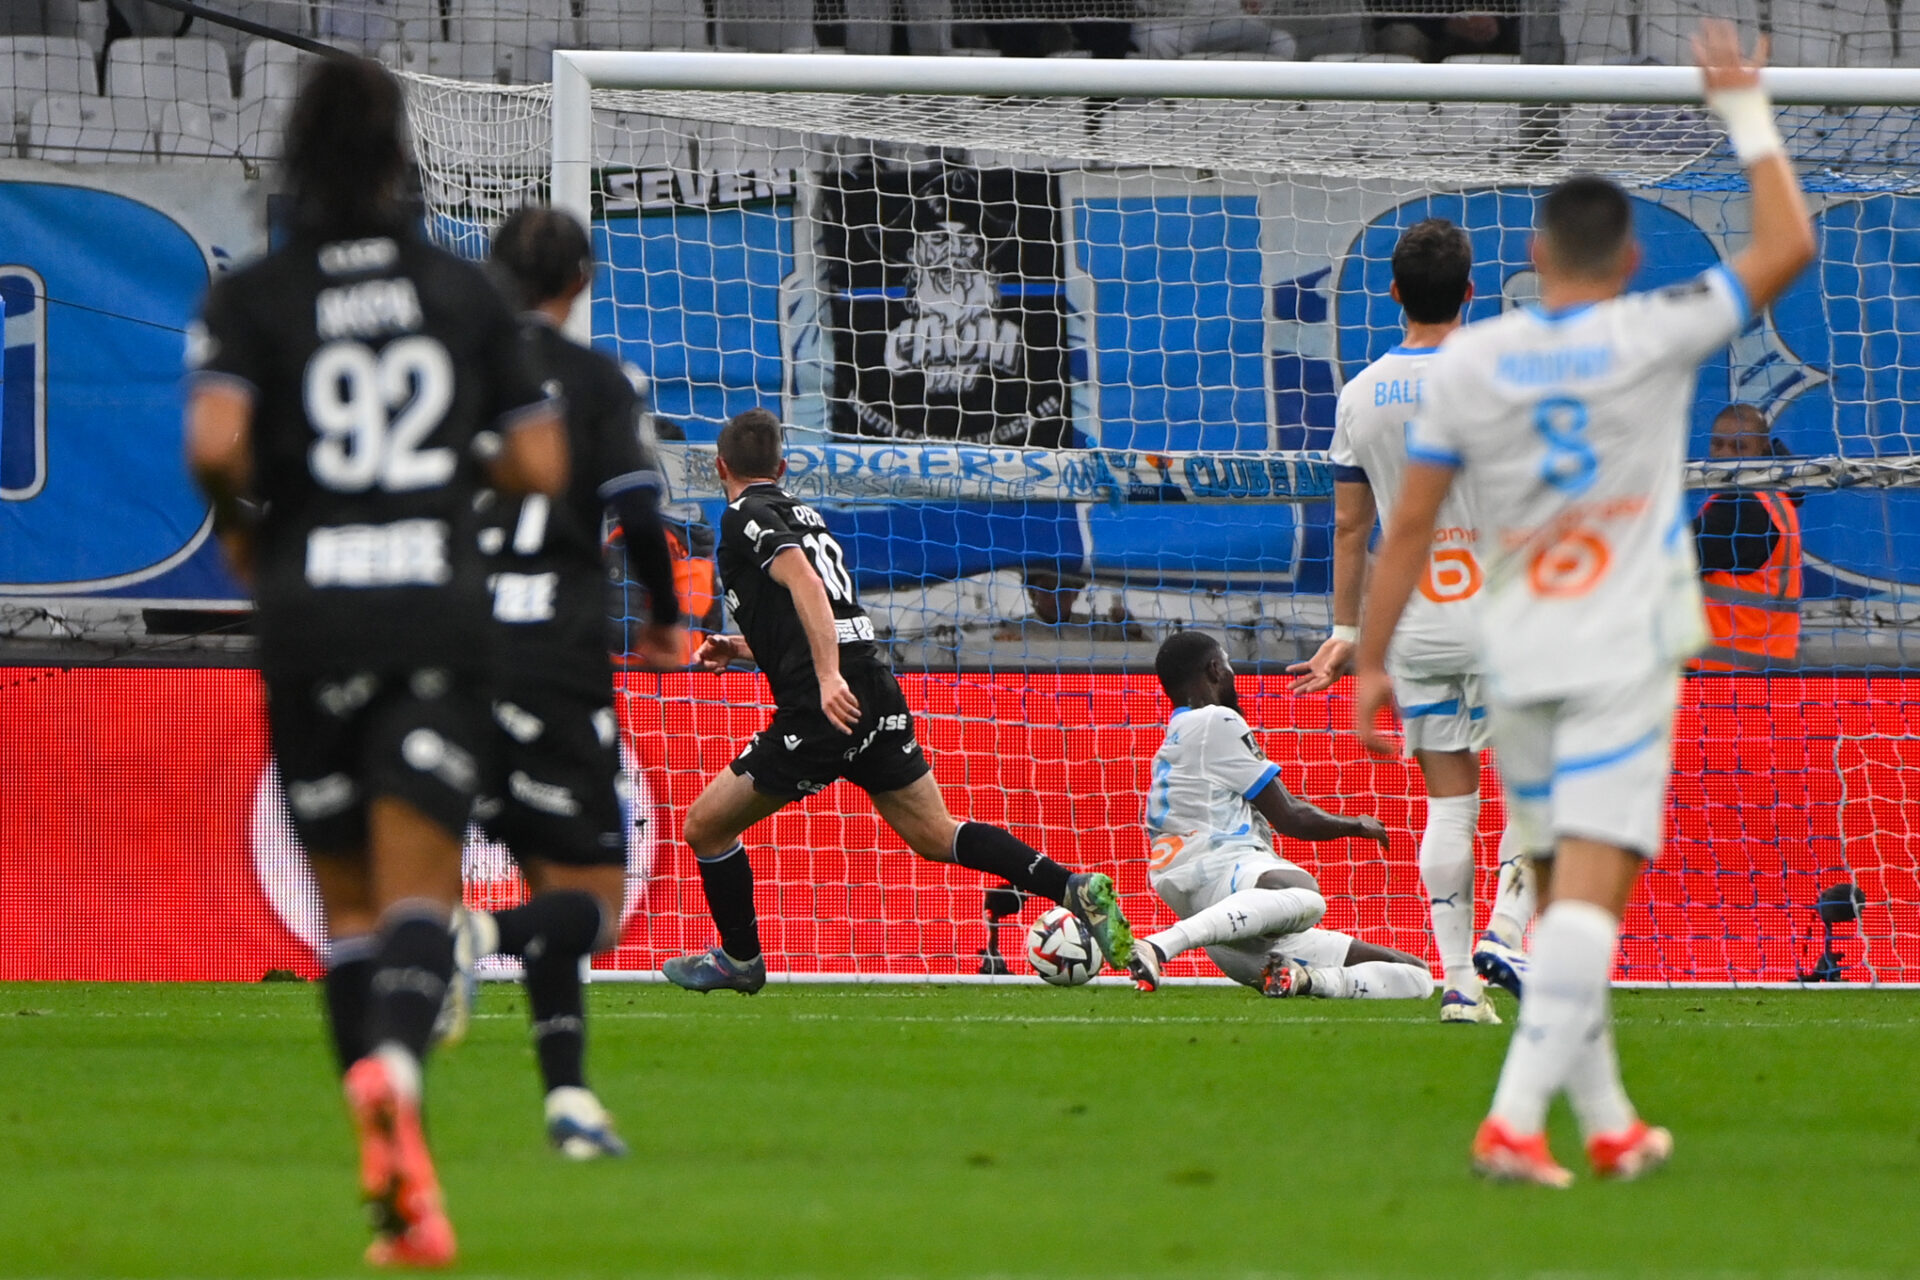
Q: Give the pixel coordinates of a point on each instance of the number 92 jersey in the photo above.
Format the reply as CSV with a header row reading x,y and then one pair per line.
x,y
1569,431
375,368
759,525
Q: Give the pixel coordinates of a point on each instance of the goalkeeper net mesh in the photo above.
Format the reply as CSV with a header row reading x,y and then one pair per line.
x,y
1058,371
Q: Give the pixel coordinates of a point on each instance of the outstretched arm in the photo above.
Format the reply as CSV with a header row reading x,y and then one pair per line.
x,y
1396,570
797,575
1299,819
1782,243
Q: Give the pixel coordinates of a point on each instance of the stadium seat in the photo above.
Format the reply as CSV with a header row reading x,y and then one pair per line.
x,y
443,58
70,129
1666,33
263,128
195,131
370,24
31,67
1833,33
1597,31
669,24
158,70
292,16
524,24
270,72
764,26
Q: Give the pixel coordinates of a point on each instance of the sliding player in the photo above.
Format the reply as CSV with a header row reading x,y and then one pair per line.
x,y
1568,423
838,713
1435,668
556,800
1214,806
351,382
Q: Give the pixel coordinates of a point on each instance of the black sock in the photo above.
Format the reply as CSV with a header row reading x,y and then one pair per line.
x,y
561,920
980,847
550,934
728,881
559,1014
409,981
346,989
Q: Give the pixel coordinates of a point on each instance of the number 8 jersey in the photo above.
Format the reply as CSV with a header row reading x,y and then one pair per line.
x,y
376,368
758,525
1569,431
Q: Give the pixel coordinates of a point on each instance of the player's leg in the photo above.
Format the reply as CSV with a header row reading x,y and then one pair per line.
x,y
917,812
1499,957
731,803
1606,789
346,900
1331,965
1249,893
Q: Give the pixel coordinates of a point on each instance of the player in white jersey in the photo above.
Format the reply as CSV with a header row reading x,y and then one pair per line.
x,y
1434,659
1214,807
1568,425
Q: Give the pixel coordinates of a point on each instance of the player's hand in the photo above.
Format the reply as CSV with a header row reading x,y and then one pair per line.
x,y
1372,694
719,652
838,703
1324,669
661,648
1372,829
1716,49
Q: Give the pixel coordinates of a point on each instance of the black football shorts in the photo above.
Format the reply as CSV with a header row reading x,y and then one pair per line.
x,y
801,753
555,790
341,740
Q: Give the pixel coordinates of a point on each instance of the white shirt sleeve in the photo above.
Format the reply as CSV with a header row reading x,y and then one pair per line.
x,y
1340,449
1689,322
1435,434
1232,757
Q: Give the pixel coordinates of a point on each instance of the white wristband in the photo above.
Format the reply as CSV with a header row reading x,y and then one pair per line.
x,y
1346,635
1748,115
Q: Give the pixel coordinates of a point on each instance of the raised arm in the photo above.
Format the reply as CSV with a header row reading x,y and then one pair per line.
x,y
1782,243
1396,571
1353,516
1299,819
792,570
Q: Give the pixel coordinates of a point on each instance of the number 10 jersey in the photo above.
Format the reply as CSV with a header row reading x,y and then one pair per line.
x,y
759,525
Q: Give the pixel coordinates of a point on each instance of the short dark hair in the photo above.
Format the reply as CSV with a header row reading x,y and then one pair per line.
x,y
346,152
752,444
1433,265
541,253
1182,658
1586,221
1752,420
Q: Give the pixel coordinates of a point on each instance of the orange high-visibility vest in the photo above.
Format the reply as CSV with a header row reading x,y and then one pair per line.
x,y
1754,618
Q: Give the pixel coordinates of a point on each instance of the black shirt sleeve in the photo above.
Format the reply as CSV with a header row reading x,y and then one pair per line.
x,y
508,352
755,530
227,345
1734,534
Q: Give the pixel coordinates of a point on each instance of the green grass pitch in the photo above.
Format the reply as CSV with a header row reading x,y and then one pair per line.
x,y
960,1131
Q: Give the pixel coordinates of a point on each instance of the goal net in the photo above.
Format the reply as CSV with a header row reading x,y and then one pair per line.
x,y
1058,344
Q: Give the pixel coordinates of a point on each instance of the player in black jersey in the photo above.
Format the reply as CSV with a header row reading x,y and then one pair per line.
x,y
556,799
838,713
361,386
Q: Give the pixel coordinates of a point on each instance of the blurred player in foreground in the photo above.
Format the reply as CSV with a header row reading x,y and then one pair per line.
x,y
557,789
354,383
1434,660
1568,422
838,713
1215,805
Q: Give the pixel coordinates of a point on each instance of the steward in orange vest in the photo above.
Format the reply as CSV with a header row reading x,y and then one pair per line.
x,y
1750,559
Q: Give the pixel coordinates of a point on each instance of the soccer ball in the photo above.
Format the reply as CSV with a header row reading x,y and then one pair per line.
x,y
1061,950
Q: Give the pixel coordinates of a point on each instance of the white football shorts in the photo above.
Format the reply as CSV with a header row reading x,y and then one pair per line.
x,y
1594,764
1440,712
1191,879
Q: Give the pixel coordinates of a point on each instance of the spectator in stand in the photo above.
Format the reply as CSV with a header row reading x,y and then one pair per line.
x,y
1459,27
1750,561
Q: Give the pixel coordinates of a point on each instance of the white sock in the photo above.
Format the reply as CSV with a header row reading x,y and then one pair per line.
x,y
1565,1008
1513,900
1250,913
1373,980
486,933
402,1067
1599,1100
1446,868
